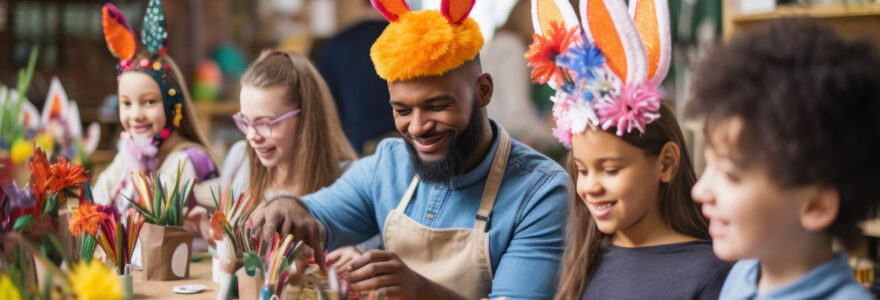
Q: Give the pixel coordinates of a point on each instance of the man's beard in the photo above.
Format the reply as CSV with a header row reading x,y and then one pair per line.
x,y
459,150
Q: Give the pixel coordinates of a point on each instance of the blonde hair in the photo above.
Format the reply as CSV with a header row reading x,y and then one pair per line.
x,y
321,143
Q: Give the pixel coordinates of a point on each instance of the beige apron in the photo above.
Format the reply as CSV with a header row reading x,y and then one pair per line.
x,y
457,258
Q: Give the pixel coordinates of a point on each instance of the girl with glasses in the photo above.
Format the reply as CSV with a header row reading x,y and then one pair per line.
x,y
294,141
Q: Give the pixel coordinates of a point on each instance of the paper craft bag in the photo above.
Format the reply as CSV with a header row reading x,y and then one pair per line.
x,y
69,243
249,287
166,252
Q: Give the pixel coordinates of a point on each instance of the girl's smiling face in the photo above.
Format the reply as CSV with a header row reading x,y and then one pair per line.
x,y
265,105
617,182
141,110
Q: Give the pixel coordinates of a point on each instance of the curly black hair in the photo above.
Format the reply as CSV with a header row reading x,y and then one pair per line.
x,y
810,104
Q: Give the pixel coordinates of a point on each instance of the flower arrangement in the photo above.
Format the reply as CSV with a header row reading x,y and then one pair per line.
x,y
12,120
34,210
158,204
227,224
278,258
102,226
606,68
57,128
230,217
165,244
84,280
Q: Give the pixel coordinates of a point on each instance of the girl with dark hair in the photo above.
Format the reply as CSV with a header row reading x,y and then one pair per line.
x,y
633,230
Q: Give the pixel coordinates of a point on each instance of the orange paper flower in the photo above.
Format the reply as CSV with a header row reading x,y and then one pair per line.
x,y
543,51
40,176
218,220
86,218
66,174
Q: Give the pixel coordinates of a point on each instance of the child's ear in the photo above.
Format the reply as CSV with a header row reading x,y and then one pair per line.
x,y
820,208
669,159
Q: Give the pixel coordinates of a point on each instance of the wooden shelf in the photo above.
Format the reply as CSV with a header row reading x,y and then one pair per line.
x,y
849,19
818,11
208,112
217,108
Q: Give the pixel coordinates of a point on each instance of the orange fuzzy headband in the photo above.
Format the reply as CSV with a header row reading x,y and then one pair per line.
x,y
425,43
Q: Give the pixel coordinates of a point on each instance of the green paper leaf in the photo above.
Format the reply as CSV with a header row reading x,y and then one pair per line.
x,y
51,204
252,263
23,223
87,249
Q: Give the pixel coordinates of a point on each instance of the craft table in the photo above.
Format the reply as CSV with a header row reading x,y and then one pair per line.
x,y
199,273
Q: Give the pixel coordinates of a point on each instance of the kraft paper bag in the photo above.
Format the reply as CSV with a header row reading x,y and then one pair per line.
x,y
249,287
166,252
69,243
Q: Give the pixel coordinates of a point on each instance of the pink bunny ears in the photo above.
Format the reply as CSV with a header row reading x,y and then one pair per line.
x,y
424,43
606,68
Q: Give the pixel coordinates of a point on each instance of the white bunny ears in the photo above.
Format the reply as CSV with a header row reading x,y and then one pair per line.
x,y
606,68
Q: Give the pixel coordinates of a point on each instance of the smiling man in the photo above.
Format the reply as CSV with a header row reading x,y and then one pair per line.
x,y
465,211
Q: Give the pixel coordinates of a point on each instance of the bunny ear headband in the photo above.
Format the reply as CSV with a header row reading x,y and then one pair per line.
x,y
424,43
607,68
122,44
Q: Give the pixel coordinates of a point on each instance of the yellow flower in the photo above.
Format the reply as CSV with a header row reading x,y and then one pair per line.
x,y
21,150
95,281
45,141
7,290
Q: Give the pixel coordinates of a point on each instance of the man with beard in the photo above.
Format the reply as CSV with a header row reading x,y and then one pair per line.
x,y
465,211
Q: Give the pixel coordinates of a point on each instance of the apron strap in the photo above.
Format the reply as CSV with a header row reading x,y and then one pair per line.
x,y
493,182
409,193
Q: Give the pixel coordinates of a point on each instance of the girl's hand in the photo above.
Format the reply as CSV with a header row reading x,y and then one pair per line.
x,y
341,257
199,222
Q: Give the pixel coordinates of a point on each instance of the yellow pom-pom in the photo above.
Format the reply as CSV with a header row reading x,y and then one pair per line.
x,y
95,281
157,66
424,44
20,151
178,115
172,92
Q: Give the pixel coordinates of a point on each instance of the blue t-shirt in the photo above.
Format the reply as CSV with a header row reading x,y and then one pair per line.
x,y
686,270
830,280
526,236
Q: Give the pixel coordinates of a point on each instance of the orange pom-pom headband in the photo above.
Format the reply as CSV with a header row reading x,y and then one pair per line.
x,y
425,43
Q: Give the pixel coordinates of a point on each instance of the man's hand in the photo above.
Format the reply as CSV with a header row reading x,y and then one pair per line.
x,y
287,216
383,271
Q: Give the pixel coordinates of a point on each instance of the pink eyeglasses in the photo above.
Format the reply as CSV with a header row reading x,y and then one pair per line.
x,y
263,128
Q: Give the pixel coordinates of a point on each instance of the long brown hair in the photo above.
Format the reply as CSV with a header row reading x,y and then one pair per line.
x,y
586,244
321,144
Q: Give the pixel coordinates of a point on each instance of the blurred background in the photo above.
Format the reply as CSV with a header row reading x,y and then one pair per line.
x,y
214,40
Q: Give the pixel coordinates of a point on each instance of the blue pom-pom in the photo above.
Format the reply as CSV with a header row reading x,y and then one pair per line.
x,y
583,59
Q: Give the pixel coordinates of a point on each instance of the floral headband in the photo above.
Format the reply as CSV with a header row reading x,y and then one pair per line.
x,y
122,44
606,69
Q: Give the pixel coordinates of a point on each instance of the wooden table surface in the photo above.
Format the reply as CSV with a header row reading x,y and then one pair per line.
x,y
199,273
